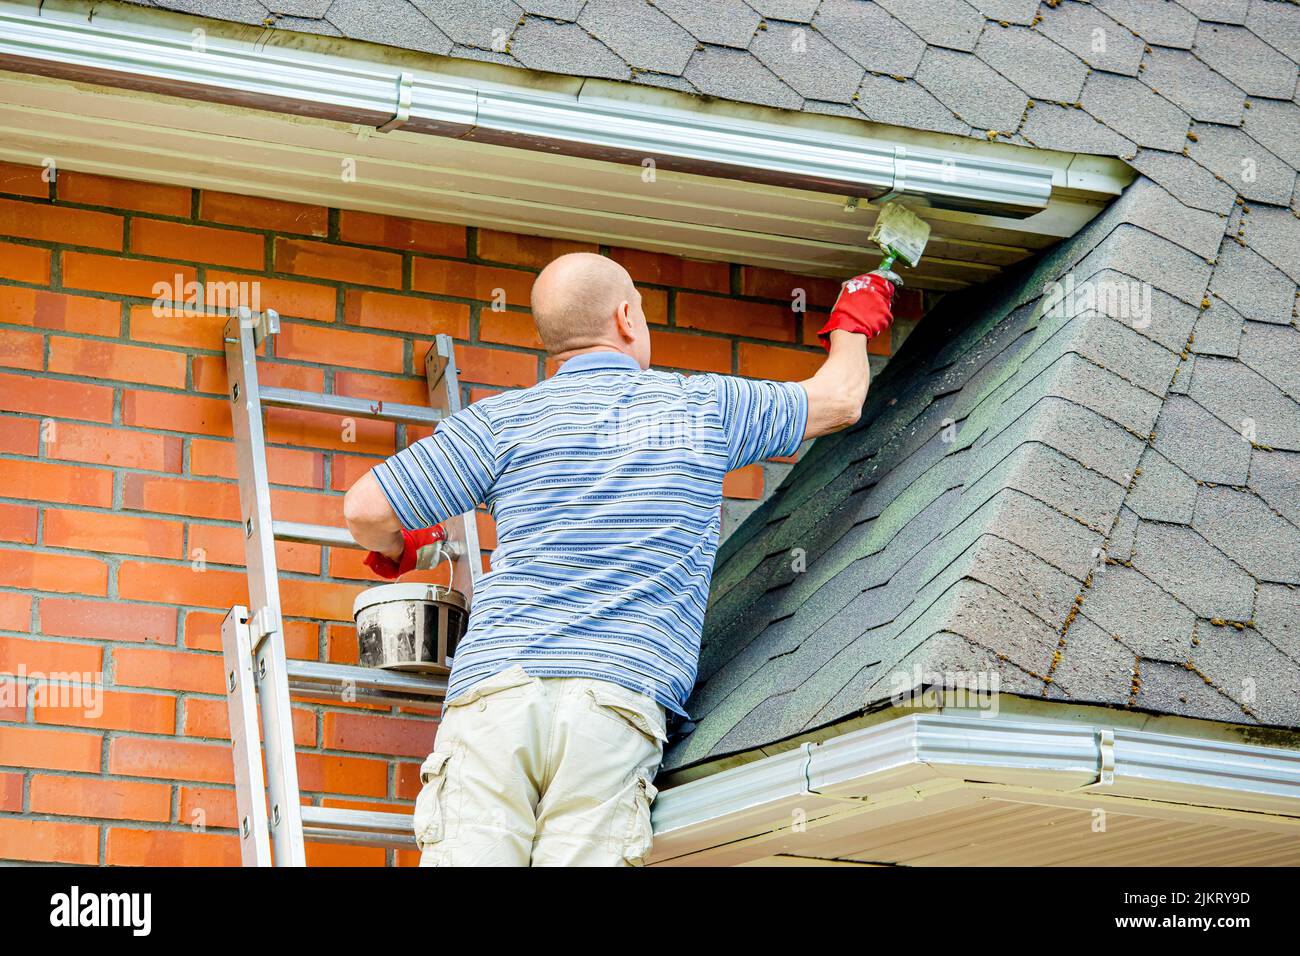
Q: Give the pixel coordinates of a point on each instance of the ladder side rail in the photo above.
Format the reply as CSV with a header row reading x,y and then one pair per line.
x,y
245,736
265,623
462,530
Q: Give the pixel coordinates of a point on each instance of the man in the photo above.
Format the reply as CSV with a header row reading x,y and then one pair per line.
x,y
606,482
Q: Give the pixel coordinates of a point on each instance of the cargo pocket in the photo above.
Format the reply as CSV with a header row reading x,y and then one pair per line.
x,y
640,833
428,820
643,715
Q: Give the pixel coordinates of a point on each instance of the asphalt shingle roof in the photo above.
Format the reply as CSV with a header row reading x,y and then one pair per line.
x,y
1101,502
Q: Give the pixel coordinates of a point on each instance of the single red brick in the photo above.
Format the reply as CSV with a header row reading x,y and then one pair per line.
x,y
37,395
181,496
92,190
140,713
224,544
532,251
328,773
44,841
363,733
24,180
53,572
303,429
205,807
781,364
39,749
164,281
405,313
341,644
11,784
101,798
20,436
317,599
24,263
287,466
735,317
178,240
172,584
110,360
188,328
22,350
255,212
702,353
210,718
50,657
108,621
114,446
744,482
321,260
176,412
45,481
18,523
382,388
170,759
654,303
509,328
170,848
338,854
416,235
289,297
114,533
659,269
311,343
464,281
496,366
64,313
46,223
15,612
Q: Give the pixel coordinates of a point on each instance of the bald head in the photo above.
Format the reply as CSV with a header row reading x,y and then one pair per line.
x,y
576,302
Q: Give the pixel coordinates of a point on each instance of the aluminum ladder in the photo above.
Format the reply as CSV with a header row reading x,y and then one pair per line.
x,y
272,822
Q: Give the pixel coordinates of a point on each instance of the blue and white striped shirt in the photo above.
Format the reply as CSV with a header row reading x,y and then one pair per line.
x,y
606,483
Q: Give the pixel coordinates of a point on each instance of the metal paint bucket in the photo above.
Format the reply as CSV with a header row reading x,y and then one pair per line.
x,y
409,627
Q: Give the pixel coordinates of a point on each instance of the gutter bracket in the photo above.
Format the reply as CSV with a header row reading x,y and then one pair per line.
x,y
900,176
403,107
808,791
1105,760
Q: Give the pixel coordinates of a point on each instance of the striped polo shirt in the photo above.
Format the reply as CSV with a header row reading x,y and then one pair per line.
x,y
606,483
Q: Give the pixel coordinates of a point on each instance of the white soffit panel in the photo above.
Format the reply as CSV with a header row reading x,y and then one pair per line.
x,y
161,138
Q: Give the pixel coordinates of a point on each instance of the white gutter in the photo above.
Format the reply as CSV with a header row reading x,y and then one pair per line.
x,y
111,50
869,768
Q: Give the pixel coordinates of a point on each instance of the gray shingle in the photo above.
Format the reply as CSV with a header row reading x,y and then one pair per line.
x,y
1218,331
1162,492
1161,22
885,100
807,61
1185,81
1043,69
1062,127
1173,688
310,25
1252,285
1275,476
1246,166
381,21
1275,234
792,11
1278,25
235,11
1135,112
1093,37
1271,351
1148,621
640,34
1277,617
1093,666
1186,566
1276,127
947,23
1012,11
870,36
971,89
1200,444
1241,399
1250,670
565,48
1219,11
724,22
1245,529
1192,183
735,75
477,23
1246,60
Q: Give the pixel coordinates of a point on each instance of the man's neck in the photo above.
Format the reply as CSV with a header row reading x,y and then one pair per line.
x,y
562,357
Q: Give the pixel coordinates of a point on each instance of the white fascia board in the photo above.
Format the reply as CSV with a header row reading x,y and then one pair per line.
x,y
931,752
161,55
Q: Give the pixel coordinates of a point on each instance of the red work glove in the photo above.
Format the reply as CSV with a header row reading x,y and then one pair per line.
x,y
412,542
863,307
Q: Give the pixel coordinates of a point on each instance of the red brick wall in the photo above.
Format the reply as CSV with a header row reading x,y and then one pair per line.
x,y
120,549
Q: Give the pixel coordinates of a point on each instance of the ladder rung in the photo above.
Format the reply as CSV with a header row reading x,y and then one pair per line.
x,y
342,405
358,827
322,534
364,685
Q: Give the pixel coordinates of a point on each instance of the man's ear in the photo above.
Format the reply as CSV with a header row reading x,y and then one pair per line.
x,y
623,320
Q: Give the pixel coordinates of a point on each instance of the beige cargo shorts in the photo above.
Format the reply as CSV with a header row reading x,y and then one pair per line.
x,y
541,771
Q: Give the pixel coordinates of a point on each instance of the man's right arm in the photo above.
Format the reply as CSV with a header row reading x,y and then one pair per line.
x,y
839,389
